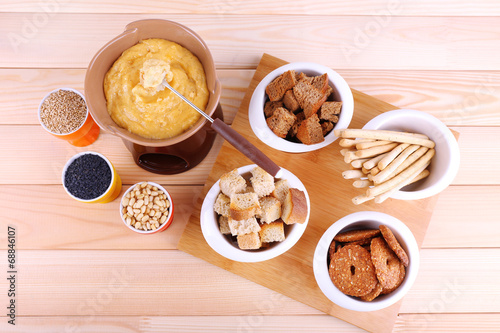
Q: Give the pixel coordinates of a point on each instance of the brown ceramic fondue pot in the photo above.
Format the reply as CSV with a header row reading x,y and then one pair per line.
x,y
165,156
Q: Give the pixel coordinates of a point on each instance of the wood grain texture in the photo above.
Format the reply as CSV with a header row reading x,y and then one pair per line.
x,y
101,227
458,98
360,41
96,283
279,7
461,323
80,226
477,144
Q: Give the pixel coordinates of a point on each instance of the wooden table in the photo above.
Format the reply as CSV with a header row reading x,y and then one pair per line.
x,y
80,270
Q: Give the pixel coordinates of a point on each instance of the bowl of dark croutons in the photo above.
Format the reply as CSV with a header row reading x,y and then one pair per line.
x,y
296,107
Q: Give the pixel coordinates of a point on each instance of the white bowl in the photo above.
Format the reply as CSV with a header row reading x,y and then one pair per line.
x,y
223,246
445,163
341,92
170,216
361,220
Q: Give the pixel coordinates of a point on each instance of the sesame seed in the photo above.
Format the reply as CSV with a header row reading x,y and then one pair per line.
x,y
63,111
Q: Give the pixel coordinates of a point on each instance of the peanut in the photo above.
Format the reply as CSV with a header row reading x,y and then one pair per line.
x,y
145,207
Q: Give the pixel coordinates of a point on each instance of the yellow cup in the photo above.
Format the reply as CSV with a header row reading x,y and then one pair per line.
x,y
84,135
113,190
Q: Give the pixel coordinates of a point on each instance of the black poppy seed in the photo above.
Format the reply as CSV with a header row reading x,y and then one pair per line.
x,y
87,177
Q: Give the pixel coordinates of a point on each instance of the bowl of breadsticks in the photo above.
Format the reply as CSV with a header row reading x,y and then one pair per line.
x,y
400,154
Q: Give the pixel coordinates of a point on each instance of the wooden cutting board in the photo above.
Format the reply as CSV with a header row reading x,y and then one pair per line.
x,y
320,171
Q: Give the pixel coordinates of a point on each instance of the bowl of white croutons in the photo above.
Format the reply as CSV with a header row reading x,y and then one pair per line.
x,y
250,216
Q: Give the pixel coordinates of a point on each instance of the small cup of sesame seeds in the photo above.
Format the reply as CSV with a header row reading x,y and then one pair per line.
x,y
147,208
64,114
90,177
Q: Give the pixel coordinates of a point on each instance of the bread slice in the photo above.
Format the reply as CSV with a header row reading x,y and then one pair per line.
x,y
278,87
271,209
241,227
224,225
295,208
281,121
249,241
290,102
262,182
272,232
310,131
231,183
244,206
280,191
329,111
221,205
309,98
269,107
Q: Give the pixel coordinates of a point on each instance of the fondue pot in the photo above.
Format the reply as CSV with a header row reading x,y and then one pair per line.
x,y
162,156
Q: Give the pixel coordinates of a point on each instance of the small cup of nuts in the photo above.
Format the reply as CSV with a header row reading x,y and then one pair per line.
x,y
147,208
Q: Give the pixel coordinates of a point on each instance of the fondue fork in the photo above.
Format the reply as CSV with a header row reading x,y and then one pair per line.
x,y
234,138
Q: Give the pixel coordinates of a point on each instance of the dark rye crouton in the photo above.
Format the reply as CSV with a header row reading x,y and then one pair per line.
x,y
290,101
293,130
309,98
281,121
310,131
326,127
269,107
279,86
329,111
319,82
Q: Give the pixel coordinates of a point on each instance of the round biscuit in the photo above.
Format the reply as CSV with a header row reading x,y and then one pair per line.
x,y
352,272
394,244
386,263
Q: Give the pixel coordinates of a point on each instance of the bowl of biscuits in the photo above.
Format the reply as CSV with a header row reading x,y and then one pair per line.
x,y
296,107
366,261
250,216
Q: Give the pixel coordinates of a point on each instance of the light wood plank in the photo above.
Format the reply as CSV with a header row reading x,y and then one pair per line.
x,y
465,216
172,283
456,97
39,158
279,7
34,210
238,41
50,208
42,163
487,322
23,89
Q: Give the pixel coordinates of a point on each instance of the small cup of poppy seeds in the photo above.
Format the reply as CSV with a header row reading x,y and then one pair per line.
x,y
90,177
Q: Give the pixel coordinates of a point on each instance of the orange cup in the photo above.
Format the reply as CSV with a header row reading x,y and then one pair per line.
x,y
84,135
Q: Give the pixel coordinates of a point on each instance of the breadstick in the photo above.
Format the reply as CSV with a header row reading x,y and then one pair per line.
x,y
395,136
361,198
407,162
345,150
365,145
350,174
387,185
413,178
373,161
383,163
350,156
358,164
365,171
349,143
361,183
381,176
371,152
375,171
